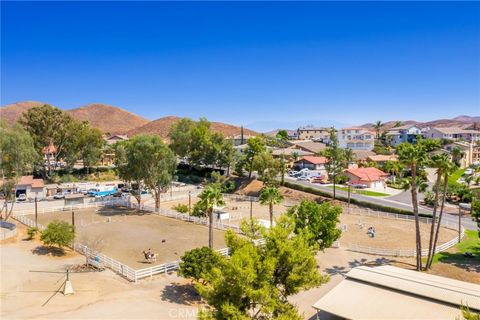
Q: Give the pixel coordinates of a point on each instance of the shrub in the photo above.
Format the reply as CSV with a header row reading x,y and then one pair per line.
x,y
195,263
58,233
32,231
182,208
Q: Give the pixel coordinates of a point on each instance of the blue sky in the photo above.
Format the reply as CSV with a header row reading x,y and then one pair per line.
x,y
260,64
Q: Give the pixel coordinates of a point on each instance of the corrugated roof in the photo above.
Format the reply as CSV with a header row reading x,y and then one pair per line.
x,y
389,292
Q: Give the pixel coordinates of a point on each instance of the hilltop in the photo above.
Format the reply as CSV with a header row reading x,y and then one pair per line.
x,y
460,121
162,126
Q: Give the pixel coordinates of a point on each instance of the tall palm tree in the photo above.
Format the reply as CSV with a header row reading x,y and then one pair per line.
x,y
440,162
414,157
270,195
449,168
393,167
457,155
211,197
378,126
349,156
397,124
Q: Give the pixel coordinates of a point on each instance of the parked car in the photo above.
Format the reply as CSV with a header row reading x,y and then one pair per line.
x,y
22,197
358,185
468,171
318,179
303,178
58,195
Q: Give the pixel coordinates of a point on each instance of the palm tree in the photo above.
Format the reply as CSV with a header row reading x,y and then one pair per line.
x,y
397,124
211,197
270,195
449,168
414,157
440,162
349,156
378,126
457,155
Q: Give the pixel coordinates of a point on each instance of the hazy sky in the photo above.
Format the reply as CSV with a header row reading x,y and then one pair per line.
x,y
247,62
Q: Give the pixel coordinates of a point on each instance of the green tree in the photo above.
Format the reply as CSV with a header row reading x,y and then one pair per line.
x,y
87,145
269,195
210,197
414,157
457,155
336,159
146,161
397,124
17,156
282,135
196,263
58,233
48,126
256,145
256,281
267,167
378,125
319,221
476,213
393,167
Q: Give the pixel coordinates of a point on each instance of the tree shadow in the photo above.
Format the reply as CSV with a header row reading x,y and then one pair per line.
x,y
459,260
46,250
120,211
337,270
180,293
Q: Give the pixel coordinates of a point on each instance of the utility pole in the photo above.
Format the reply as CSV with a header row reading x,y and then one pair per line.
x,y
459,223
73,220
189,202
349,186
36,212
251,209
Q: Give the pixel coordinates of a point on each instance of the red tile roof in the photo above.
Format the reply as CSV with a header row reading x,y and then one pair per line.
x,y
314,159
50,149
29,180
382,158
368,174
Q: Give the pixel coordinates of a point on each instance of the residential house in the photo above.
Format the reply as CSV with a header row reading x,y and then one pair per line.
x,y
470,151
30,187
380,159
407,133
388,292
49,154
356,138
309,146
314,133
311,163
116,138
372,177
238,140
453,133
290,154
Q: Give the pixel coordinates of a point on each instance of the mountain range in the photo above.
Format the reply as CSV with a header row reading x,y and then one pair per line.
x,y
114,120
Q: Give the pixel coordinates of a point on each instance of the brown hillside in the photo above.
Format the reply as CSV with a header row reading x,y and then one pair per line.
x,y
460,121
108,118
162,126
11,113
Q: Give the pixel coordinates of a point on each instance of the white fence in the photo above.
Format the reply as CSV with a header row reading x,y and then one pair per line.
x,y
400,252
8,230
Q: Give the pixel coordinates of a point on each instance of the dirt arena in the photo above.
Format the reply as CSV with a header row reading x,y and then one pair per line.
x,y
126,234
389,233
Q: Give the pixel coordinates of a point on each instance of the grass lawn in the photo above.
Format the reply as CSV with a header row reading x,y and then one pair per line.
x,y
456,175
470,243
363,192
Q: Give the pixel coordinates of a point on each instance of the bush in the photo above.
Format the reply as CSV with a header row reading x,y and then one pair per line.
x,y
195,263
58,233
182,208
429,198
32,231
370,205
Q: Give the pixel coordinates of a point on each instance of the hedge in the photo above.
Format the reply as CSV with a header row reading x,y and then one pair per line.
x,y
361,203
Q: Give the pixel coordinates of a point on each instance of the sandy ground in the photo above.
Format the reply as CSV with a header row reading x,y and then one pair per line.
x,y
128,234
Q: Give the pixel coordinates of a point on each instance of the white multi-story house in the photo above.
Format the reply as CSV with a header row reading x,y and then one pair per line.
x,y
453,133
356,138
406,133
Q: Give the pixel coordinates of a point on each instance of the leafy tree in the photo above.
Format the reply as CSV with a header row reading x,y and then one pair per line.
x,y
397,124
393,167
457,155
414,157
336,159
476,213
429,145
269,195
210,197
87,145
146,161
282,135
17,156
196,263
58,233
48,126
256,145
267,167
256,281
180,139
378,125
318,221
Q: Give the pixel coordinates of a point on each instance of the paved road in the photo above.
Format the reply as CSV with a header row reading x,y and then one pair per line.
x,y
400,201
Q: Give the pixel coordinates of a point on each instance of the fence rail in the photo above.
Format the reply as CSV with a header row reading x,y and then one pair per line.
x,y
9,230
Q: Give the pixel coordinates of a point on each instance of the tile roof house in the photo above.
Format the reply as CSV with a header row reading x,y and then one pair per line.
x,y
381,159
371,176
309,146
406,133
356,138
311,162
453,133
30,187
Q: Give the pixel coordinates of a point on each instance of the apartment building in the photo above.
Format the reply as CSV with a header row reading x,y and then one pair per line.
x,y
313,133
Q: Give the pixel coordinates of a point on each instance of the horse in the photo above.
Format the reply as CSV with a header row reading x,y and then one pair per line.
x,y
150,257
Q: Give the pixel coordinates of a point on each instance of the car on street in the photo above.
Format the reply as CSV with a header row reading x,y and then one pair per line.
x,y
22,197
358,185
59,195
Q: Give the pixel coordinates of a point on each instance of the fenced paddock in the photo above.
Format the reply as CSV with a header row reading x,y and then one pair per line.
x,y
7,230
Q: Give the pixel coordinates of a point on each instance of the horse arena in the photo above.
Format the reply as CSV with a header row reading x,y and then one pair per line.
x,y
125,233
